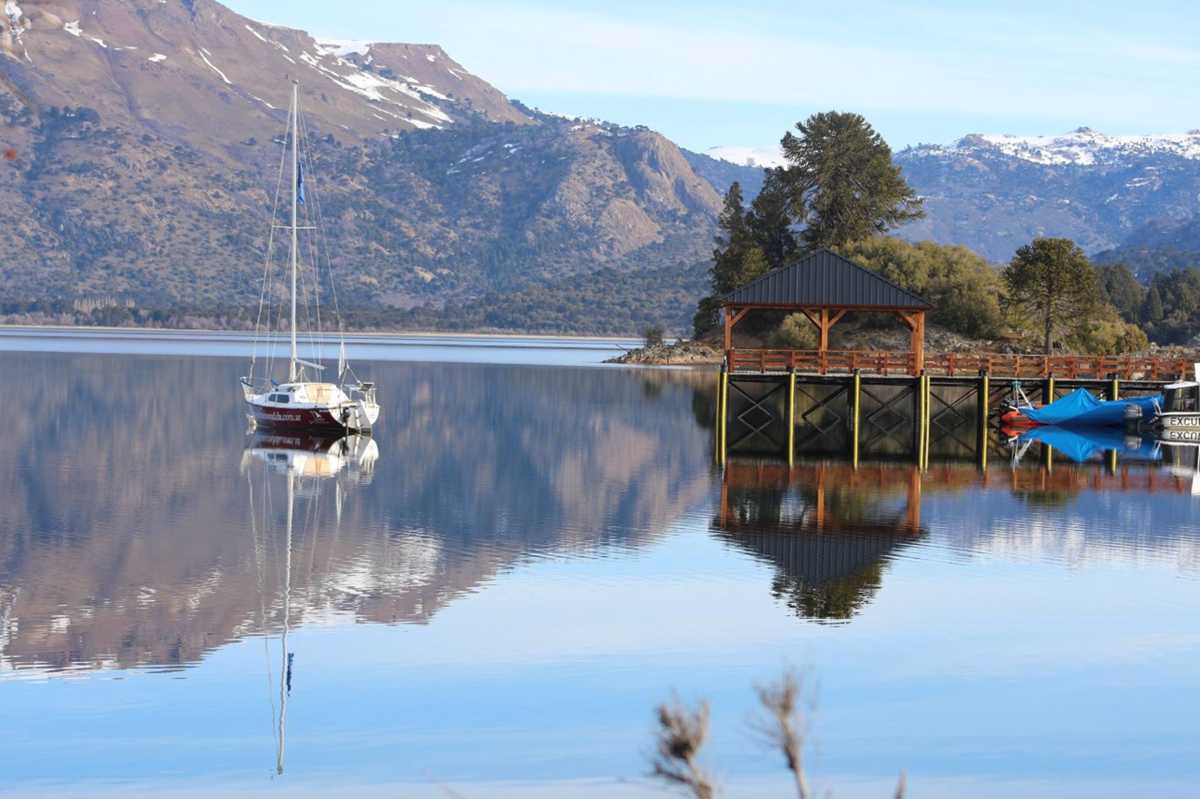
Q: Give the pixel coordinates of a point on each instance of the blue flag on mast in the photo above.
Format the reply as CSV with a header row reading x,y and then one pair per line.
x,y
300,183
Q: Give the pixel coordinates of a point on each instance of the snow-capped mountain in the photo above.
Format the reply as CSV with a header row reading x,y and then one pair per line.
x,y
747,156
1081,147
994,193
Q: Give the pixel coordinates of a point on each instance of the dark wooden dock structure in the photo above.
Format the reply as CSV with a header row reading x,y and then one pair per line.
x,y
773,399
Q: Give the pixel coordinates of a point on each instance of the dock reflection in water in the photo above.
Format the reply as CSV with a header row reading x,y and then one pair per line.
x,y
827,528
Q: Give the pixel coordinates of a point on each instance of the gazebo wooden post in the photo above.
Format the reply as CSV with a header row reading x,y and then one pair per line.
x,y
915,322
733,315
918,341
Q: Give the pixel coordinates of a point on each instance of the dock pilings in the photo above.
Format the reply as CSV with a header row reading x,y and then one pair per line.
x,y
860,415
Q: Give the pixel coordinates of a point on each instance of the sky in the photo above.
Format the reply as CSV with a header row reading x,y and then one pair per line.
x,y
711,73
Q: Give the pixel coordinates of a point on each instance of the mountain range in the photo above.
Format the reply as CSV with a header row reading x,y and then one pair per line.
x,y
1113,195
142,139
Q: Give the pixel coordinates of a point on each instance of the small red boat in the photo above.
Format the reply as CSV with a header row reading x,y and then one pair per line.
x,y
1014,416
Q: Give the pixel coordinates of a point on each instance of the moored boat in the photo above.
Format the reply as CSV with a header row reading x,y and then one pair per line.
x,y
1179,418
1080,409
345,405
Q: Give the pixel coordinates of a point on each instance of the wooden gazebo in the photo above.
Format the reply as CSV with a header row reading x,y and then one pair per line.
x,y
823,286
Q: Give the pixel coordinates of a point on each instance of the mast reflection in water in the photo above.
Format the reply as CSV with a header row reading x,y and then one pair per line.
x,y
308,463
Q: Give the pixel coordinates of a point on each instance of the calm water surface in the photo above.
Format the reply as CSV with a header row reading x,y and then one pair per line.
x,y
490,596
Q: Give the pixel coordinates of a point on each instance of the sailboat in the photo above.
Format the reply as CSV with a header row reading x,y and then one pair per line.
x,y
301,402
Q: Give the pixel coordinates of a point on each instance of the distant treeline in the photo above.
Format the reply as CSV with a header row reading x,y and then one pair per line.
x,y
607,302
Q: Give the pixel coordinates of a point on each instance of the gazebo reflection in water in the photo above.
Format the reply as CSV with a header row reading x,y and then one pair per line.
x,y
827,528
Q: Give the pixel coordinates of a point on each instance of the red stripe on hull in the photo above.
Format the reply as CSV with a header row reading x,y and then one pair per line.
x,y
294,417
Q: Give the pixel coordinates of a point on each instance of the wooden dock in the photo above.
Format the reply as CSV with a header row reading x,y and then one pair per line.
x,y
1003,366
779,401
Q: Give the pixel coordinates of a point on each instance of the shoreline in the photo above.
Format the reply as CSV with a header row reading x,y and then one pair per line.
x,y
174,332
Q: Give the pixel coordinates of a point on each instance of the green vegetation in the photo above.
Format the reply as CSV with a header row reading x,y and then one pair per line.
x,y
842,183
1170,311
750,243
964,289
840,190
653,336
840,186
1053,287
1122,290
795,332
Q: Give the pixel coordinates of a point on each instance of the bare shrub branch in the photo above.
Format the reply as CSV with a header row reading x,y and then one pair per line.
x,y
784,725
681,734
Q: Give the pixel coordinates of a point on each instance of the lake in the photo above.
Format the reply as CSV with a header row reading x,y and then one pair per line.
x,y
489,597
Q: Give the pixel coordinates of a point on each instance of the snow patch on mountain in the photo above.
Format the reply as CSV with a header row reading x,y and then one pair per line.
x,y
1080,147
747,156
204,54
342,47
374,88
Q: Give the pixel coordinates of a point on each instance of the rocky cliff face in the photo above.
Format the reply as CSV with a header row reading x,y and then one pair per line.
x,y
143,140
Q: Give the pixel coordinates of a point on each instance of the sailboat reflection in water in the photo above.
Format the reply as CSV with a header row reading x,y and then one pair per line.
x,y
307,463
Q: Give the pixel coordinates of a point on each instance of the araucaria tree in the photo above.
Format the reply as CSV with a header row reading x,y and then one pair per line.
x,y
841,182
1052,282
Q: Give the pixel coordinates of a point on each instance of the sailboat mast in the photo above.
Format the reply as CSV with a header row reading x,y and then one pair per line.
x,y
294,371
283,653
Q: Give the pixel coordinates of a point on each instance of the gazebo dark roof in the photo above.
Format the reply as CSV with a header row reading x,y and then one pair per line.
x,y
825,279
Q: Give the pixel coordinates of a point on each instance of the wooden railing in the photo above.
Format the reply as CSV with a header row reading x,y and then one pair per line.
x,y
1068,367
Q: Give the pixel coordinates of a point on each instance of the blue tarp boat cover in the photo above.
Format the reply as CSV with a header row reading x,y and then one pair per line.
x,y
1082,444
1081,409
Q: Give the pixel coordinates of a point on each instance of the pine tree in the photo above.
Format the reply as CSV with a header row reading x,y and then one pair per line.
x,y
1052,281
1152,308
754,265
842,184
770,222
733,239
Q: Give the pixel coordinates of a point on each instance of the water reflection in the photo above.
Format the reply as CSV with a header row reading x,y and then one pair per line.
x,y
827,529
126,529
307,463
525,560
128,539
830,530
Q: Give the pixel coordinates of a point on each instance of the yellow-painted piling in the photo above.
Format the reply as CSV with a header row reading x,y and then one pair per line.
x,y
718,413
919,416
856,412
791,417
984,398
1114,388
927,421
724,412
1048,391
